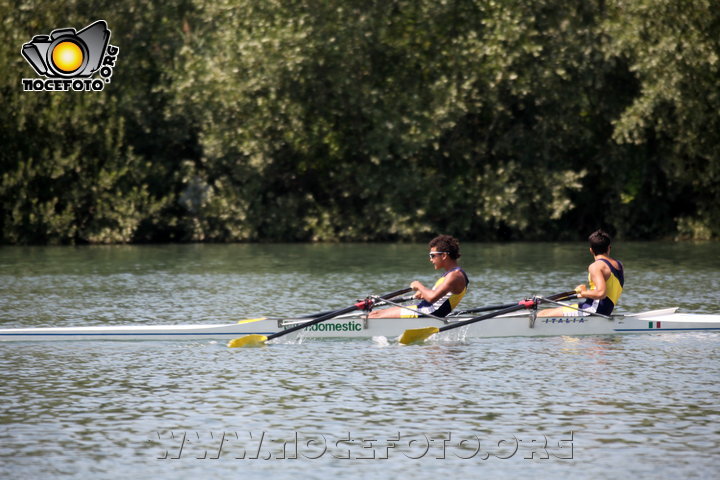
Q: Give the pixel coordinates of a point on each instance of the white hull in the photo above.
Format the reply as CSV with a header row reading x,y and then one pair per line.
x,y
354,326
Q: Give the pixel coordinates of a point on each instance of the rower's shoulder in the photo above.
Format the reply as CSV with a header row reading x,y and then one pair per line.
x,y
458,272
602,263
457,275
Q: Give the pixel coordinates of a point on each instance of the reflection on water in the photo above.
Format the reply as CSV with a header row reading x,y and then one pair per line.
x,y
624,406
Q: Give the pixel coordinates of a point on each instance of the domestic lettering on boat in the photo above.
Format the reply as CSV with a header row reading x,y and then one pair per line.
x,y
335,327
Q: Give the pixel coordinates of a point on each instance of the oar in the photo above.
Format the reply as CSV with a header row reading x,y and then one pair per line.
x,y
417,335
256,340
320,314
489,308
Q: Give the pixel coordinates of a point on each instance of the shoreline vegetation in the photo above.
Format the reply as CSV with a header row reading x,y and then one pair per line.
x,y
348,121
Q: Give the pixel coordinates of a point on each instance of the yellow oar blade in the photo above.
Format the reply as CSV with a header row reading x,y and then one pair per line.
x,y
417,335
254,340
250,320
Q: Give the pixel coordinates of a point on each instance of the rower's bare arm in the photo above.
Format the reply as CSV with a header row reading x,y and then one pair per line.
x,y
428,294
454,282
597,275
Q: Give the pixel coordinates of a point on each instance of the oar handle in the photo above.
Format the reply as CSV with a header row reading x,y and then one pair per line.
x,y
395,294
320,314
361,305
562,296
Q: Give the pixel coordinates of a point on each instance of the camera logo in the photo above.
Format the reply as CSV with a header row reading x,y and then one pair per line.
x,y
68,59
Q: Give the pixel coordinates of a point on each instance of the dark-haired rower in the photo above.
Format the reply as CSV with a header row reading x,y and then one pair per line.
x,y
606,277
447,292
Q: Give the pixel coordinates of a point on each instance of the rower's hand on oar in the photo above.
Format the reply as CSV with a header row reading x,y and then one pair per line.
x,y
416,285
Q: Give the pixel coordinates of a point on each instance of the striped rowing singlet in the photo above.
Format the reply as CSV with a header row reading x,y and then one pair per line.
x,y
613,290
443,306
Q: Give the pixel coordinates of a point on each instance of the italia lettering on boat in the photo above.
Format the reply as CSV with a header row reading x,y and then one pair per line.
x,y
564,320
335,327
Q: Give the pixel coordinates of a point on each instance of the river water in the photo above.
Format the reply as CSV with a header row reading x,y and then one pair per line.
x,y
642,406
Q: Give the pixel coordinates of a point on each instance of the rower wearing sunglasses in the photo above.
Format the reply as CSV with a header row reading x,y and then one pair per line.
x,y
447,292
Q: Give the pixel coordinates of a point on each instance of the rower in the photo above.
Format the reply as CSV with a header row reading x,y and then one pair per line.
x,y
447,292
606,277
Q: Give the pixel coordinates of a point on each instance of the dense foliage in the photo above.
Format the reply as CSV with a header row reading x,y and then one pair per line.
x,y
281,120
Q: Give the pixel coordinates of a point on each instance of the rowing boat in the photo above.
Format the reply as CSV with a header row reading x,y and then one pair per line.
x,y
523,324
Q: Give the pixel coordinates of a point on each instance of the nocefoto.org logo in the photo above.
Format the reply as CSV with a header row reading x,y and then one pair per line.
x,y
68,59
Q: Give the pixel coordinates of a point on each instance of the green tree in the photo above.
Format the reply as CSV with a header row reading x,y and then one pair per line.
x,y
357,120
77,167
673,49
248,120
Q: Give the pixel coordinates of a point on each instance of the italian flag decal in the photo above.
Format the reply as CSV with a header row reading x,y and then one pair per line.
x,y
653,324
